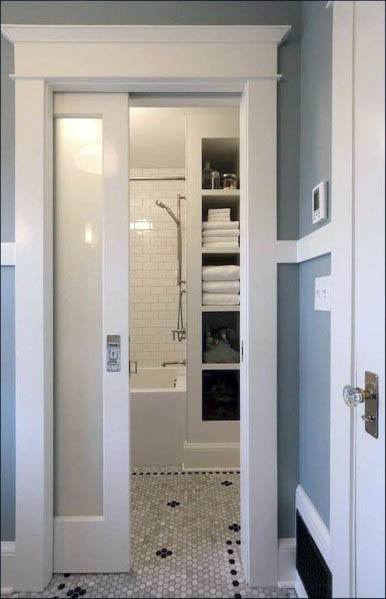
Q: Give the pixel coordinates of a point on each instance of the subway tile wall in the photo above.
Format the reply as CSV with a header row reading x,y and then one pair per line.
x,y
153,267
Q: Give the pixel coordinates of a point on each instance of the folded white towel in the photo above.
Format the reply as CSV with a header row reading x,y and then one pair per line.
x,y
227,272
221,286
230,239
216,211
227,224
208,233
220,299
223,215
221,244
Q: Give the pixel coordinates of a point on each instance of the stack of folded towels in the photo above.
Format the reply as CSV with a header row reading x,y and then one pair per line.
x,y
219,230
221,285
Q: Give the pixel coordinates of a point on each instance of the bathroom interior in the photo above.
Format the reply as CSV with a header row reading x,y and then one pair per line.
x,y
184,307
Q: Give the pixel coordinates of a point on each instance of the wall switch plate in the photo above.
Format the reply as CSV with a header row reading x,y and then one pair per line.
x,y
322,294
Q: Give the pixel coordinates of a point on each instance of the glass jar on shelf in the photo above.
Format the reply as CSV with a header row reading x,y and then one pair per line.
x,y
215,180
207,176
229,181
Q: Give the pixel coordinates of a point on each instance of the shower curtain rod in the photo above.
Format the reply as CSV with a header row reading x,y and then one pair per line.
x,y
157,178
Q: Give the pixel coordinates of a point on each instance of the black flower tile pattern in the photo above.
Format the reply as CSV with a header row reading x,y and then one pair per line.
x,y
227,483
183,524
164,552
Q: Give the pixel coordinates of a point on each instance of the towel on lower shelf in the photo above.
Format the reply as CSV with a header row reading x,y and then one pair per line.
x,y
222,214
220,299
224,224
208,233
227,239
227,272
220,244
221,286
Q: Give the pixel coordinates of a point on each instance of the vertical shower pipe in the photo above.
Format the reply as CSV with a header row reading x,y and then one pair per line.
x,y
179,332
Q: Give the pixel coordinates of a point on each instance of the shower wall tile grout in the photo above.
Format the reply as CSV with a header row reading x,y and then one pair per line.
x,y
153,264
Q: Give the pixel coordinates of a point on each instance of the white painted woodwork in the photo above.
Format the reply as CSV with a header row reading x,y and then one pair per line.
x,y
315,244
142,66
314,523
211,456
78,316
369,235
341,301
33,335
99,542
146,33
8,555
258,316
8,253
220,122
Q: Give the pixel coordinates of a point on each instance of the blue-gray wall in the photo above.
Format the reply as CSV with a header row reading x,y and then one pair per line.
x,y
314,327
315,113
314,389
198,13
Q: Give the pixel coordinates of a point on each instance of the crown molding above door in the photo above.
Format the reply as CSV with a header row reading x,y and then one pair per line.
x,y
244,34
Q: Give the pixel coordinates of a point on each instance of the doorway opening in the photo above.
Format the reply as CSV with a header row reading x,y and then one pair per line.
x,y
185,349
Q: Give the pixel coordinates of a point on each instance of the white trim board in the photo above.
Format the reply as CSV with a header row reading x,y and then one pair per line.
x,y
211,456
314,523
153,34
288,251
107,66
315,244
8,554
310,246
8,253
299,587
287,560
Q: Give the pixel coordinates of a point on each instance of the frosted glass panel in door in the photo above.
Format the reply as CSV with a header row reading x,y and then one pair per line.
x,y
78,319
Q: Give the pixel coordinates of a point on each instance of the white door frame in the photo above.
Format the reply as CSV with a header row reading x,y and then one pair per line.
x,y
116,59
341,560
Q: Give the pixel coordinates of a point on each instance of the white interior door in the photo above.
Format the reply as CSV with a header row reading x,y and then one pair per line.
x,y
369,200
91,423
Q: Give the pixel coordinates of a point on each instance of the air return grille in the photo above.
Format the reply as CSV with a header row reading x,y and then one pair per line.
x,y
311,567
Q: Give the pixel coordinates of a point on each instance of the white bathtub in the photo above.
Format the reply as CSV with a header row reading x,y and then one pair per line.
x,y
158,416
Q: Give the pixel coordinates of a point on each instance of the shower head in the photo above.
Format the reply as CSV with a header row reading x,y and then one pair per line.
x,y
169,211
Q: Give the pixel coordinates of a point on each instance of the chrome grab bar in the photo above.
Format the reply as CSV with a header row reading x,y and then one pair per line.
x,y
180,363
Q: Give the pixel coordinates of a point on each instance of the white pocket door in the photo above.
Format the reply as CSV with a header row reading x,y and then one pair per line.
x,y
91,396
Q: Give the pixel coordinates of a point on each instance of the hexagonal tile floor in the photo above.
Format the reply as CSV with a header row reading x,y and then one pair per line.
x,y
185,542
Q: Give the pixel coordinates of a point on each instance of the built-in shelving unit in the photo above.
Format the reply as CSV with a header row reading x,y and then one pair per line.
x,y
234,194
220,308
221,250
220,324
229,366
213,344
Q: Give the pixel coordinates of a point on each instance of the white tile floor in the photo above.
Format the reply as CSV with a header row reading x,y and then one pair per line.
x,y
185,542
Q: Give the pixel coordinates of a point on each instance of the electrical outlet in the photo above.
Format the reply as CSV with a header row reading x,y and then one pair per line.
x,y
322,294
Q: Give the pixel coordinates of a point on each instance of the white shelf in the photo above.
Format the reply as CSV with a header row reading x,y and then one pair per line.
x,y
221,250
220,193
216,366
220,308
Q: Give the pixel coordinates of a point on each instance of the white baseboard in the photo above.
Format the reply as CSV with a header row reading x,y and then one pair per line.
x,y
314,523
299,588
8,253
8,559
211,456
287,567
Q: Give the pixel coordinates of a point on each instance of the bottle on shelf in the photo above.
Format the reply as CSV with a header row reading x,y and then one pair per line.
x,y
207,176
